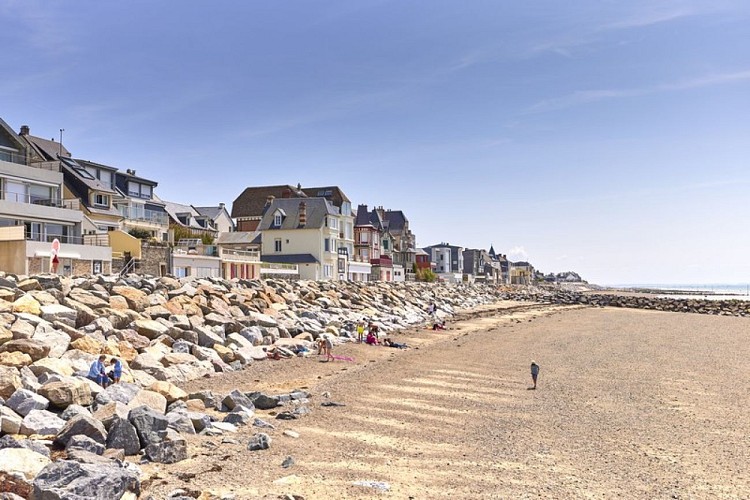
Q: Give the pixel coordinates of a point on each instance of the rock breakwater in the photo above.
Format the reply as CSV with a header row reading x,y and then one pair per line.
x,y
165,332
634,301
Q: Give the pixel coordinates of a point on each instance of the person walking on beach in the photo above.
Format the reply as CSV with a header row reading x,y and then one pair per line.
x,y
534,373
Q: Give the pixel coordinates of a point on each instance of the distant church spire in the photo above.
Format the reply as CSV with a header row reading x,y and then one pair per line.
x,y
492,251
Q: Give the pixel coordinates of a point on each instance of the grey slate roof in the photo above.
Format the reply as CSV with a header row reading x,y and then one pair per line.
x,y
334,194
317,209
296,258
237,238
177,209
73,167
396,219
210,212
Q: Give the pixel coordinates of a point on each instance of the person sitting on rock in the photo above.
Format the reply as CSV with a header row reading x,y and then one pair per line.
x,y
97,373
371,339
116,372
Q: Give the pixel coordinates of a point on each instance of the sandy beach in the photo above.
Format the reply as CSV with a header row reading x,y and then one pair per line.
x,y
630,404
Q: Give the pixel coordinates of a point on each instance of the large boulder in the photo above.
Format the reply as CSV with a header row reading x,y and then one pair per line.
x,y
10,381
82,425
122,435
23,401
37,350
58,312
108,413
21,462
70,480
168,451
169,391
151,329
10,421
5,334
26,303
85,443
122,392
137,300
14,359
152,399
150,425
66,392
88,344
52,366
236,399
57,341
41,422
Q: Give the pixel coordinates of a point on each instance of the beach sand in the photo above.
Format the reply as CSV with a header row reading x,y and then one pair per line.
x,y
630,404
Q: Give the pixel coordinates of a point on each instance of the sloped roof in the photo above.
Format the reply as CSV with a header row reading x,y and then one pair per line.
x,y
368,218
252,200
210,212
176,209
12,135
316,211
296,258
396,219
75,169
46,149
332,193
237,238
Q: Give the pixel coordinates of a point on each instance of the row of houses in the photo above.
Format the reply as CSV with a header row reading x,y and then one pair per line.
x,y
110,220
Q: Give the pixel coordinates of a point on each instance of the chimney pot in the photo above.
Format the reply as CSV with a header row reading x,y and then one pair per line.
x,y
25,130
221,205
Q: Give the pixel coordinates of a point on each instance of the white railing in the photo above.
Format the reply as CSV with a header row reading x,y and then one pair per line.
x,y
231,255
144,215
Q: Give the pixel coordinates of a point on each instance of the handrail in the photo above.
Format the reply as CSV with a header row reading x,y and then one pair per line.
x,y
30,199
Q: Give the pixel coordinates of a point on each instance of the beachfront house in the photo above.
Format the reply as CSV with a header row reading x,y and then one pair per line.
x,y
33,215
303,232
449,261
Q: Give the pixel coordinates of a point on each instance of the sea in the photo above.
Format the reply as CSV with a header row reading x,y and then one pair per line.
x,y
716,291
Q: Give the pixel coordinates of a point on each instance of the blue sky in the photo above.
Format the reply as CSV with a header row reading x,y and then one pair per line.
x,y
610,138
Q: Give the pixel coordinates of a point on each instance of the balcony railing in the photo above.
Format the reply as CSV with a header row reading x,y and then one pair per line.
x,y
13,157
239,255
31,199
278,268
144,215
62,238
205,250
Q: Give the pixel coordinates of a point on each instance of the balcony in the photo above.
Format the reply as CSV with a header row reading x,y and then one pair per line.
x,y
383,261
239,256
140,215
30,199
204,250
278,269
13,157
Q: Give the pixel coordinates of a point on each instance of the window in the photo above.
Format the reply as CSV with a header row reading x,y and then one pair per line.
x,y
277,219
385,244
327,270
101,199
96,267
139,190
334,223
277,245
363,237
327,244
366,253
105,177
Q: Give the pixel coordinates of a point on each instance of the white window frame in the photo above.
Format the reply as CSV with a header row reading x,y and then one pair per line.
x,y
105,200
363,237
277,219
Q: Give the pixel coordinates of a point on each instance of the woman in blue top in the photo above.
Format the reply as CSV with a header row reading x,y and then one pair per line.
x,y
116,372
97,373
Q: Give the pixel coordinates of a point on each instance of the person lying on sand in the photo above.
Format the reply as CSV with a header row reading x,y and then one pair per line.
x,y
439,326
389,343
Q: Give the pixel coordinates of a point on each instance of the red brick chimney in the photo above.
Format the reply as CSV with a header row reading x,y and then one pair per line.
x,y
302,214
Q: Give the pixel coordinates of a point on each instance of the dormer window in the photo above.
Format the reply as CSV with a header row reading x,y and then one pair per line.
x,y
101,200
278,218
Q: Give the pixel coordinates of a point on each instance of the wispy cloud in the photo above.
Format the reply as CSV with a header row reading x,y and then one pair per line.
x,y
518,252
581,97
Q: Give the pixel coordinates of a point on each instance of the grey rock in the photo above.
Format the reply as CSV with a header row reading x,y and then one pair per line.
x,y
236,398
85,443
122,392
200,421
150,425
73,410
82,425
288,462
259,422
259,441
41,422
70,480
22,401
180,421
263,401
168,451
123,435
